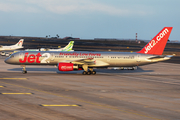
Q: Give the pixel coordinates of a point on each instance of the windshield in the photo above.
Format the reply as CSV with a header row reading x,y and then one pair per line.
x,y
11,56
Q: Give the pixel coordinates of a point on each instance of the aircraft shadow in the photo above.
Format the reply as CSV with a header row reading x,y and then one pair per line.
x,y
138,70
34,69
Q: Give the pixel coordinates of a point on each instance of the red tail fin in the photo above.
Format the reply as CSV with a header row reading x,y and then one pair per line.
x,y
157,44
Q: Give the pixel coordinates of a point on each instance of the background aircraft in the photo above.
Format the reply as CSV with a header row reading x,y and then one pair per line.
x,y
66,48
12,47
82,60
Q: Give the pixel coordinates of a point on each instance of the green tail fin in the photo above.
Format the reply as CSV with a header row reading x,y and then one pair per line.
x,y
69,46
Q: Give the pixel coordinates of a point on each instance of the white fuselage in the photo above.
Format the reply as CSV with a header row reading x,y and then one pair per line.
x,y
9,48
97,59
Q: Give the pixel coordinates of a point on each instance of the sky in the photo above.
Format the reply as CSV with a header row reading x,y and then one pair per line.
x,y
89,19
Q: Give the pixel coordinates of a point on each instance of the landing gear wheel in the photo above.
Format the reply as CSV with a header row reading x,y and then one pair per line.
x,y
93,72
24,72
84,72
88,73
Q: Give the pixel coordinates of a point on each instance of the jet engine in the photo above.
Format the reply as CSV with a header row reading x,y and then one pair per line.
x,y
67,67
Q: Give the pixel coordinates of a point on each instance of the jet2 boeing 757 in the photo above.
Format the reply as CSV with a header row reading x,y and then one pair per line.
x,y
82,60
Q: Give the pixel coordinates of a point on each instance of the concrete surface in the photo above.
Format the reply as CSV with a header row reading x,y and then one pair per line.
x,y
151,92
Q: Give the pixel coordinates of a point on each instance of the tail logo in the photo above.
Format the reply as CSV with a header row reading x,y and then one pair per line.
x,y
20,43
154,42
161,35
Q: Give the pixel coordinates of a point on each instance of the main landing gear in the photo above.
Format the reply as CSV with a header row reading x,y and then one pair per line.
x,y
86,72
24,71
89,72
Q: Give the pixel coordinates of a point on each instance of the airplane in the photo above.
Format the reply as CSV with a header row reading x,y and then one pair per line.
x,y
66,48
86,60
12,47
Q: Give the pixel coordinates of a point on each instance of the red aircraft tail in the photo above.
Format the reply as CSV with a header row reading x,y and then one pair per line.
x,y
157,44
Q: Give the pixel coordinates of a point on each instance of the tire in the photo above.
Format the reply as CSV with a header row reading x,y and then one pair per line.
x,y
24,72
84,72
93,72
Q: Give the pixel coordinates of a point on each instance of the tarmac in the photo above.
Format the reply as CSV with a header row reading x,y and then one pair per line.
x,y
151,92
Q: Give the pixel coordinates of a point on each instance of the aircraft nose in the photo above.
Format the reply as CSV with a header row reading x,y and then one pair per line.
x,y
7,60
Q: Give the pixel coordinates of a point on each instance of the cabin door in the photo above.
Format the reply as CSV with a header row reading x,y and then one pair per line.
x,y
138,58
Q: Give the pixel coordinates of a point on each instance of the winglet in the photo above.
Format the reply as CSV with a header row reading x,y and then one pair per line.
x,y
157,44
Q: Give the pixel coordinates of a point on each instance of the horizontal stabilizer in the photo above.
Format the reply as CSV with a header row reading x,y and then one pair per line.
x,y
160,58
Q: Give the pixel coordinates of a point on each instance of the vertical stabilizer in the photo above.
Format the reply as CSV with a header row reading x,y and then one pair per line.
x,y
69,46
20,43
157,44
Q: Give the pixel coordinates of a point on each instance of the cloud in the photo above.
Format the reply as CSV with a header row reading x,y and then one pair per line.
x,y
66,7
9,7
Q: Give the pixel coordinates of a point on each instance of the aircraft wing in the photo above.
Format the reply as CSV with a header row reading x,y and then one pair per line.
x,y
87,61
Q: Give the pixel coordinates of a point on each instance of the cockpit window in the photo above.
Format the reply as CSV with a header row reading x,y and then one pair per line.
x,y
11,56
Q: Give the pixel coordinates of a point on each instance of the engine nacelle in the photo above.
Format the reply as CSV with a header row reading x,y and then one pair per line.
x,y
67,67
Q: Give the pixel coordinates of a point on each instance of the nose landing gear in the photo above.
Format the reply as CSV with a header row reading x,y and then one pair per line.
x,y
24,71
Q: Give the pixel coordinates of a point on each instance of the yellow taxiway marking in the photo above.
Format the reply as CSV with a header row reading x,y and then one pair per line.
x,y
13,78
59,105
83,101
1,86
16,93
